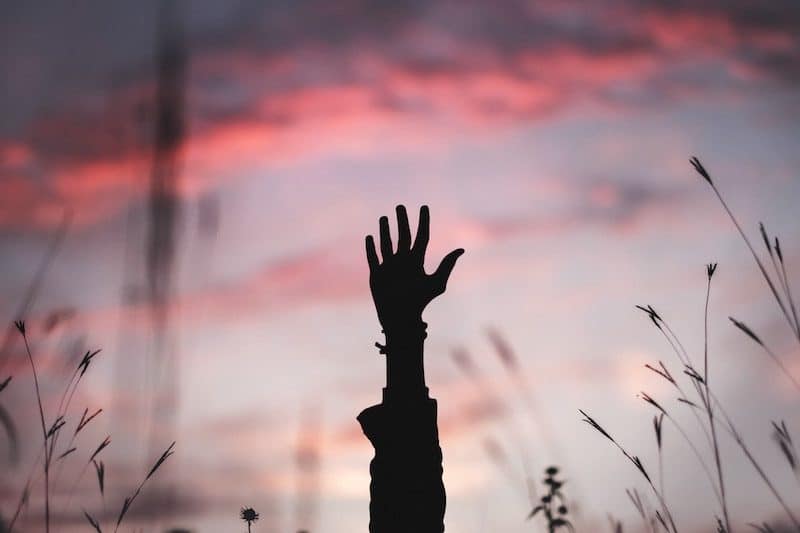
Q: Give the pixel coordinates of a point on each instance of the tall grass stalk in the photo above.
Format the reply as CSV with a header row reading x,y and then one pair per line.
x,y
786,285
643,509
700,385
465,362
784,441
517,375
639,466
744,328
683,356
21,328
709,400
48,451
658,426
682,398
710,269
664,413
130,499
32,290
793,324
730,427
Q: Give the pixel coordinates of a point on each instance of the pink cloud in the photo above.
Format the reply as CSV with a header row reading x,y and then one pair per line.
x,y
304,279
280,125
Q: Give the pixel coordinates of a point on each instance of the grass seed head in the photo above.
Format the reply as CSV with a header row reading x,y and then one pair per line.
x,y
164,456
746,330
698,166
100,448
658,424
5,383
93,522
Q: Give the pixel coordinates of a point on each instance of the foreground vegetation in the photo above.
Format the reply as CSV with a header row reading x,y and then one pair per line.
x,y
691,385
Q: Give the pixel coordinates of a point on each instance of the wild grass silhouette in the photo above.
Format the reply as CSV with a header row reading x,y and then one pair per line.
x,y
50,455
709,412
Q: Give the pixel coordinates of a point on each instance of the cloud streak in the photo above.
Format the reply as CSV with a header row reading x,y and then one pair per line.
x,y
273,85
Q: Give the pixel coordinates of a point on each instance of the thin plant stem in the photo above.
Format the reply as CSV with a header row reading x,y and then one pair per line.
x,y
33,287
637,463
75,484
44,431
783,368
763,270
679,349
710,410
22,500
683,361
731,429
789,295
660,470
698,456
696,416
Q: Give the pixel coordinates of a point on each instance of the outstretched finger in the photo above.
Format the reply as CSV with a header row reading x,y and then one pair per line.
x,y
423,231
386,238
372,255
403,231
442,273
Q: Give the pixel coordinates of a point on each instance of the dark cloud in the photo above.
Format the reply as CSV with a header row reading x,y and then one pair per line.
x,y
79,97
612,204
95,44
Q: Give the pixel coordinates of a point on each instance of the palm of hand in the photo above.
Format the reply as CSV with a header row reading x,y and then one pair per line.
x,y
400,287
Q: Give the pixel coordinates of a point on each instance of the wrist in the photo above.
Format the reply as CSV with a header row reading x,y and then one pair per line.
x,y
403,337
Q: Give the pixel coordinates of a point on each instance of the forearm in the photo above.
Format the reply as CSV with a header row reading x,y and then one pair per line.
x,y
406,471
405,369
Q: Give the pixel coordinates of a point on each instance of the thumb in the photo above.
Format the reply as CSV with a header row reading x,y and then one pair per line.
x,y
442,273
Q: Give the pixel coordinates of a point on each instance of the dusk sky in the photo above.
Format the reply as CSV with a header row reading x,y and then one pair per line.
x,y
551,141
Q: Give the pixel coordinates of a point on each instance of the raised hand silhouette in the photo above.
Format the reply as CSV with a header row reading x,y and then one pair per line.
x,y
406,492
400,287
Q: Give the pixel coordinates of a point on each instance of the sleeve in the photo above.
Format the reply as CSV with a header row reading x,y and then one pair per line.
x,y
406,489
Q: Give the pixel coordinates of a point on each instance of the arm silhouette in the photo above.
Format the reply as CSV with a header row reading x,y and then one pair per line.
x,y
407,493
401,290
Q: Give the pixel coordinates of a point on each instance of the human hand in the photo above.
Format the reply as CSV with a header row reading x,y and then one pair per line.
x,y
400,287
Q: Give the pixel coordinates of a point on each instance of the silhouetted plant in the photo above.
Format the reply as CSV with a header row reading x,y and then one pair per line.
x,y
763,528
707,402
614,524
50,453
553,505
704,404
20,324
129,500
784,441
782,293
668,523
744,328
249,515
51,435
